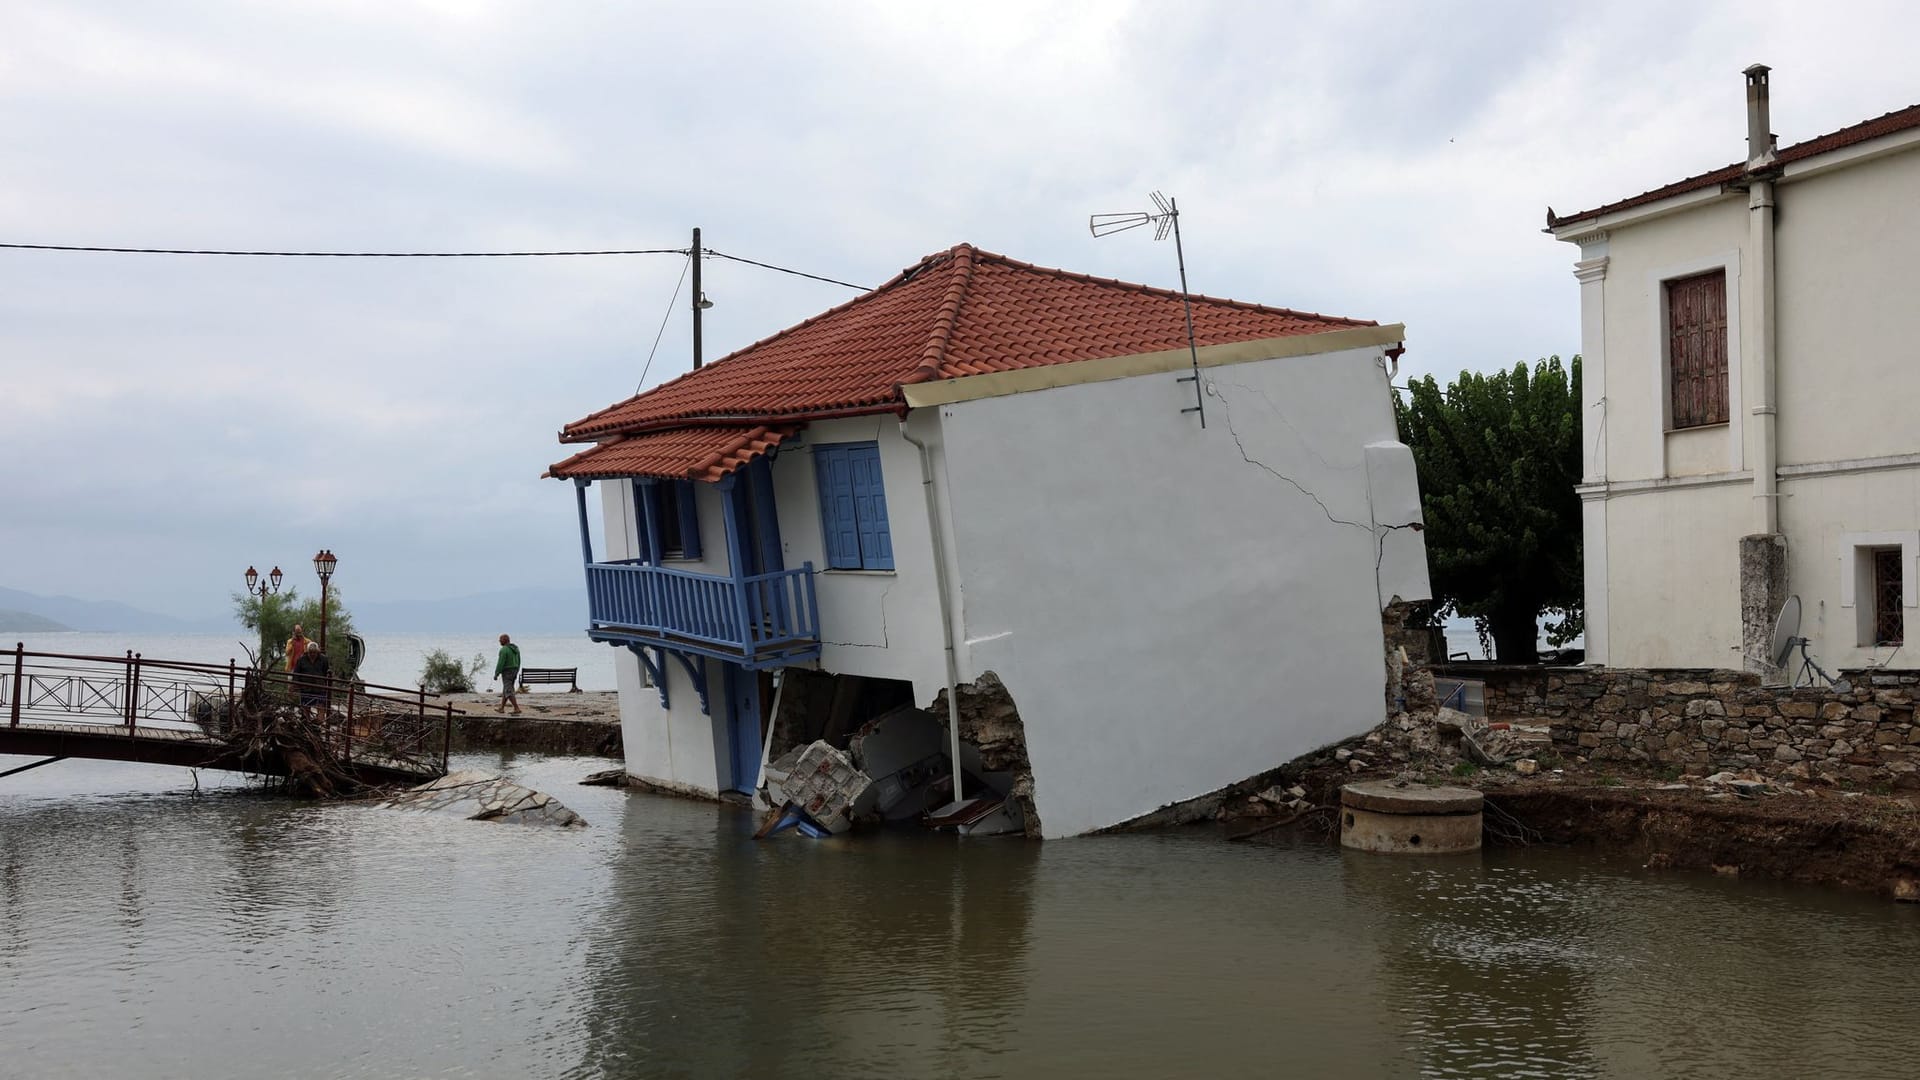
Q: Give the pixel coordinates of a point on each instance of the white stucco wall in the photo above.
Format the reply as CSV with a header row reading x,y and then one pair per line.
x,y
1662,553
1174,609
1824,518
1639,447
880,623
1849,355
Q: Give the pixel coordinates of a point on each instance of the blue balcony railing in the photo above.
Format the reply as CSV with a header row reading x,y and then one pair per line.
x,y
758,617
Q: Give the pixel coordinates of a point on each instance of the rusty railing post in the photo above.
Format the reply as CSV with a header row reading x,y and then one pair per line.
x,y
446,739
350,704
19,689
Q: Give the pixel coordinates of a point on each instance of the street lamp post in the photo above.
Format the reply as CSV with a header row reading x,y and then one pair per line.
x,y
263,587
323,565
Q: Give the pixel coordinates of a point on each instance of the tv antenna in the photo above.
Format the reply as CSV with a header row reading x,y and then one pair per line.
x,y
1786,638
1164,219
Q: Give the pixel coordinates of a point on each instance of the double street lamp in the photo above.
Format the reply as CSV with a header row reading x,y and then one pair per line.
x,y
323,565
258,586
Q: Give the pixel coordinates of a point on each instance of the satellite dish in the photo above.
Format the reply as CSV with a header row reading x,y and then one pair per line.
x,y
1786,632
1786,638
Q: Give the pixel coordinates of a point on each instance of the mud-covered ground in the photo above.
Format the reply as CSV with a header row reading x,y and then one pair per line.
x,y
1728,823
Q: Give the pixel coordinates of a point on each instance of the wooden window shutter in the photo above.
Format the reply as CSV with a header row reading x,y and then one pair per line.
x,y
838,520
870,508
1697,349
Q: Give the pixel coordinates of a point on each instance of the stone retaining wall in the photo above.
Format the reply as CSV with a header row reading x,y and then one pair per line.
x,y
1712,719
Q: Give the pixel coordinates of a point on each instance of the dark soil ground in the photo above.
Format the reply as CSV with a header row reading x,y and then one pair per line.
x,y
1811,835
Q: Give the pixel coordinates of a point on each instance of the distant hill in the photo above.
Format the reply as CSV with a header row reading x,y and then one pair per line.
x,y
72,614
28,622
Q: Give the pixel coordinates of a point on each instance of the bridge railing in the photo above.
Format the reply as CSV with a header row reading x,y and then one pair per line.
x,y
359,721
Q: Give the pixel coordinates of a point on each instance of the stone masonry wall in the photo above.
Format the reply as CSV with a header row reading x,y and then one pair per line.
x,y
1711,719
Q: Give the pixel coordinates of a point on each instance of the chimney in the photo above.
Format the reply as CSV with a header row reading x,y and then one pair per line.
x,y
1759,119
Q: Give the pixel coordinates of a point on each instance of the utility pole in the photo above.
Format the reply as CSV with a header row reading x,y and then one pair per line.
x,y
699,299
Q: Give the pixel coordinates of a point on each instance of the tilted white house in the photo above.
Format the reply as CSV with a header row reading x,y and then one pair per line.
x,y
987,466
1749,390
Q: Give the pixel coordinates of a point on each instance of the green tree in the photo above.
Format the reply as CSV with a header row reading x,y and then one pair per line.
x,y
273,616
1498,457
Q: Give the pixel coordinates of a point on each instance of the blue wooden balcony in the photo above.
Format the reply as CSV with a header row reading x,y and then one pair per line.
x,y
763,620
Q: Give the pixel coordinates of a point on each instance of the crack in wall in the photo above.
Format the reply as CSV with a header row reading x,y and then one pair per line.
x,y
885,635
1226,410
1281,415
1379,532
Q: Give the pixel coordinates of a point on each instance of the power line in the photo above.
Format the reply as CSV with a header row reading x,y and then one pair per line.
x,y
421,255
357,254
663,323
784,270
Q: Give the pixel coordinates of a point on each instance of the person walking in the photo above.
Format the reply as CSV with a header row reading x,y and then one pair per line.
x,y
296,646
507,668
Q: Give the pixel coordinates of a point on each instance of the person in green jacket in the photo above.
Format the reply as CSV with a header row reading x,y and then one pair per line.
x,y
508,668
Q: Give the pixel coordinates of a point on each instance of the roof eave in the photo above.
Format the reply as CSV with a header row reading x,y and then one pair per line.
x,y
1107,369
890,405
1573,230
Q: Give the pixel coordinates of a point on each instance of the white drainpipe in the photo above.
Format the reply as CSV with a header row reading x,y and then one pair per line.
x,y
946,608
1760,235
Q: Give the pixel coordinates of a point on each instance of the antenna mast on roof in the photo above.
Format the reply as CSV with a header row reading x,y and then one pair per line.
x,y
1165,220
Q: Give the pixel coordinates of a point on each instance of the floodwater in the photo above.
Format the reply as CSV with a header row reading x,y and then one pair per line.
x,y
146,931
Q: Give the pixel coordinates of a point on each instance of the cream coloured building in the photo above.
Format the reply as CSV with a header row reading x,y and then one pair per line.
x,y
1750,397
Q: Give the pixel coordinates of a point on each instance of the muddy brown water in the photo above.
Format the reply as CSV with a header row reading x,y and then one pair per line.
x,y
148,932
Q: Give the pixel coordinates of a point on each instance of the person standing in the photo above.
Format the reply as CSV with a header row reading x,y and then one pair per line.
x,y
296,646
507,668
313,676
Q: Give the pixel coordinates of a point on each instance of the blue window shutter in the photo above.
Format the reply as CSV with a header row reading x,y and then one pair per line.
x,y
641,546
689,520
870,508
838,522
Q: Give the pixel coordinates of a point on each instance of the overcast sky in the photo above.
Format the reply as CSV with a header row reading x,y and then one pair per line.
x,y
169,420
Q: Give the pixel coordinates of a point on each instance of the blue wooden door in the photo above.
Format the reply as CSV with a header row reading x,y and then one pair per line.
x,y
743,727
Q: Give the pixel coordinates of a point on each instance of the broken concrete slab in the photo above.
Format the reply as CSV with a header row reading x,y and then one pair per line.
x,y
478,796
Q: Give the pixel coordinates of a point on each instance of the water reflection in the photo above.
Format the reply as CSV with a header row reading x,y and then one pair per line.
x,y
144,932
723,956
1489,967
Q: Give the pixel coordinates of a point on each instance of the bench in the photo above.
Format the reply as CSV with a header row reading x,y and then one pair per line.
x,y
555,675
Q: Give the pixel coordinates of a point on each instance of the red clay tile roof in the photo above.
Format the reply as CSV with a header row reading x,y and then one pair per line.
x,y
691,453
1900,120
959,312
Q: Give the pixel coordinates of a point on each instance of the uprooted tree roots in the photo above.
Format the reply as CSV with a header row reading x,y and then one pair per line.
x,y
274,737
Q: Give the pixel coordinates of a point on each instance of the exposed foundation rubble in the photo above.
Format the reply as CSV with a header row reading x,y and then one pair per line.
x,y
850,751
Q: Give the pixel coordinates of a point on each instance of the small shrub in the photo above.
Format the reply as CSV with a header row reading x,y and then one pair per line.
x,y
1465,768
442,674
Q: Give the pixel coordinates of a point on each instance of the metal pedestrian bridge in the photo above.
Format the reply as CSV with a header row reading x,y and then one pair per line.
x,y
55,706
